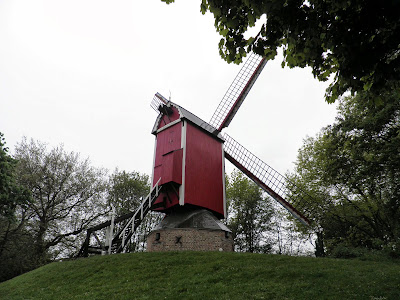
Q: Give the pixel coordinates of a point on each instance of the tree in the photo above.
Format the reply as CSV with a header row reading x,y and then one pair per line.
x,y
126,191
286,238
17,249
15,255
358,41
67,196
249,214
11,194
352,169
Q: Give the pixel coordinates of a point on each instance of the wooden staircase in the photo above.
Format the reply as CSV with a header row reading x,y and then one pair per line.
x,y
101,239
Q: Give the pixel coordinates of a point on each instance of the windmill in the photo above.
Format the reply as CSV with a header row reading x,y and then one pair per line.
x,y
189,158
188,176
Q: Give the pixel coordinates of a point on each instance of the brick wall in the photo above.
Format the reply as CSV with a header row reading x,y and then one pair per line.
x,y
189,239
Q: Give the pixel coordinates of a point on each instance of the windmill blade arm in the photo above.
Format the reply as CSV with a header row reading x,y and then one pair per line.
x,y
264,176
237,91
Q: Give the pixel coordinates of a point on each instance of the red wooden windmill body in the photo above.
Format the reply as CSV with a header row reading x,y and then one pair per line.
x,y
189,159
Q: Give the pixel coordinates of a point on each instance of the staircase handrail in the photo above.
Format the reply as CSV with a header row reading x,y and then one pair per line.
x,y
149,200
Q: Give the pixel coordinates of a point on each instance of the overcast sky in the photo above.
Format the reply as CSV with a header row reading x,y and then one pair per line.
x,y
83,73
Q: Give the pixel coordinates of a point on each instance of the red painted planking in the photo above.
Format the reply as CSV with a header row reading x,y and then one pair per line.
x,y
203,170
189,160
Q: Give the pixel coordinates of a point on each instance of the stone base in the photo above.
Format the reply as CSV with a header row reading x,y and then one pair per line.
x,y
189,239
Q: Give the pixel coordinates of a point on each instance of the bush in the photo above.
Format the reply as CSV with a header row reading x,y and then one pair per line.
x,y
388,253
343,251
393,250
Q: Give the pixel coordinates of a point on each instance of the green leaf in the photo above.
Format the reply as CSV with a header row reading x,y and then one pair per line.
x,y
224,32
203,8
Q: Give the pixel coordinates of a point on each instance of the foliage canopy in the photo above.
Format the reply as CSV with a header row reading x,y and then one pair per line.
x,y
249,213
352,169
126,190
11,193
15,253
357,41
67,196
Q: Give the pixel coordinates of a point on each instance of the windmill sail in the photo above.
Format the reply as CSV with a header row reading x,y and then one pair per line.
x,y
237,91
272,182
157,101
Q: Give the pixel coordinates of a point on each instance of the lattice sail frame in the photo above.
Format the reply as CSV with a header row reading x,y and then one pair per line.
x,y
238,91
157,101
270,180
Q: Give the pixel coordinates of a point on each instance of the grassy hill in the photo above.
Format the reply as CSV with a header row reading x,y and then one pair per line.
x,y
207,275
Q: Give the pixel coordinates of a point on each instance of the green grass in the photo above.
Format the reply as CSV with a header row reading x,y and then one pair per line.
x,y
207,275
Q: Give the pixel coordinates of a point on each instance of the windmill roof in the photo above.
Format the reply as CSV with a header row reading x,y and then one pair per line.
x,y
192,118
186,217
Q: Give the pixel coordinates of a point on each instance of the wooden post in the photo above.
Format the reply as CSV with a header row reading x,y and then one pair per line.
x,y
110,237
